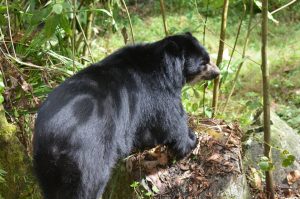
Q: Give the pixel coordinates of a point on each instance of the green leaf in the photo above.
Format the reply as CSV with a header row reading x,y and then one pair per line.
x,y
135,184
264,159
255,104
251,94
195,107
2,9
149,194
288,161
50,26
57,8
155,189
270,16
63,22
208,112
39,15
265,166
1,99
196,93
258,4
2,86
104,11
2,174
284,154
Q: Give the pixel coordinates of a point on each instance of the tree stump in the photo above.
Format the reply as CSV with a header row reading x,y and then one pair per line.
x,y
212,170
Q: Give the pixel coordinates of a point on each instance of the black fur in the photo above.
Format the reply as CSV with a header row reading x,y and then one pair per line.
x,y
131,99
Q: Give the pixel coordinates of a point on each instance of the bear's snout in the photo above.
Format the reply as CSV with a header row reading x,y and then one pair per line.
x,y
212,71
208,72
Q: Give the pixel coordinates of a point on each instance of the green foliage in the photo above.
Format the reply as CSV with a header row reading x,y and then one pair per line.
x,y
287,158
2,180
140,192
265,164
2,174
2,87
135,184
270,16
291,114
193,101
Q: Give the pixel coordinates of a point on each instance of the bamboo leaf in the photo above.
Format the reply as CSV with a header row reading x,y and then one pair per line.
x,y
57,8
63,22
270,16
50,26
104,11
1,99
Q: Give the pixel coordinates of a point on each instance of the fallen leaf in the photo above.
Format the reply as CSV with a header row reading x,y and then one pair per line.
x,y
178,181
184,166
293,176
163,158
150,165
25,86
196,151
215,157
288,193
255,179
157,185
215,134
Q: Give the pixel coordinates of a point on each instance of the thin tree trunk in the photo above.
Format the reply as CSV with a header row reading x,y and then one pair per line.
x,y
243,56
88,30
205,22
74,34
162,9
266,99
129,19
220,57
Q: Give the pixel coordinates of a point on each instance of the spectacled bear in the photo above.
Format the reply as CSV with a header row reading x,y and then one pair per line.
x,y
129,100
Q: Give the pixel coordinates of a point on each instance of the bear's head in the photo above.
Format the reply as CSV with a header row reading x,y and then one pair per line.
x,y
195,61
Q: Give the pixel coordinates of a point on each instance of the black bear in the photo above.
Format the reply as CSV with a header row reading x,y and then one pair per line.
x,y
129,100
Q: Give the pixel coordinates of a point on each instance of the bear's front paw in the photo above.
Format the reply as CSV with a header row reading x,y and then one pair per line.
x,y
193,139
185,148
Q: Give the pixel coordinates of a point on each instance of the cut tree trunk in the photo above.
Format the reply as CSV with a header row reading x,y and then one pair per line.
x,y
212,170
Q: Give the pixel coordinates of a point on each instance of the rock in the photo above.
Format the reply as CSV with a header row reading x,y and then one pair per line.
x,y
283,137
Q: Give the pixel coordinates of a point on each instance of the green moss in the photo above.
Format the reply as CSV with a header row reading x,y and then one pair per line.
x,y
19,181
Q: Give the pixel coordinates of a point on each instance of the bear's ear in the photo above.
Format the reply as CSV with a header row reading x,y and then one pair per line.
x,y
189,34
171,47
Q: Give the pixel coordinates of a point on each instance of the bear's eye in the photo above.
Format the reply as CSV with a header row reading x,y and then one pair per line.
x,y
205,58
205,61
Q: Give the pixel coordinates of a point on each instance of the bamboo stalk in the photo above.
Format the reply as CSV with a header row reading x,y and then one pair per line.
x,y
9,29
4,42
284,6
220,57
243,57
205,23
162,9
266,98
88,30
128,15
85,39
237,34
74,34
236,40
